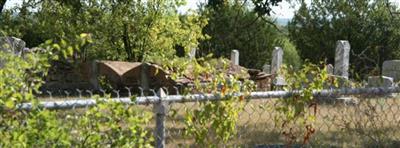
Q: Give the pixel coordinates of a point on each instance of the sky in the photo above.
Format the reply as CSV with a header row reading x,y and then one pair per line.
x,y
284,10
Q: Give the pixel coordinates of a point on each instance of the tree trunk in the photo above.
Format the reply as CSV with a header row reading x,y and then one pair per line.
x,y
2,3
127,44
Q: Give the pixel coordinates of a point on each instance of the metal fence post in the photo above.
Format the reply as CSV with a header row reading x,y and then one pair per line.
x,y
160,110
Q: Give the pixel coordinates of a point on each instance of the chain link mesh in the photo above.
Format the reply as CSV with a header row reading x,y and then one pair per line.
x,y
351,121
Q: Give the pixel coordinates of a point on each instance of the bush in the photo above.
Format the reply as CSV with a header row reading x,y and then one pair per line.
x,y
107,124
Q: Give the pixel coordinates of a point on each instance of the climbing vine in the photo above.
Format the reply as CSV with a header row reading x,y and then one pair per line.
x,y
297,113
212,122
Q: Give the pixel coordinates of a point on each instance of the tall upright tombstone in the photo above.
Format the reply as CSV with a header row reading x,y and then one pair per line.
x,y
277,59
276,63
192,53
235,57
341,69
342,58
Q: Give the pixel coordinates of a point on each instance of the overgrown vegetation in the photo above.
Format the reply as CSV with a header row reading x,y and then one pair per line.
x,y
154,31
108,124
297,113
371,27
121,30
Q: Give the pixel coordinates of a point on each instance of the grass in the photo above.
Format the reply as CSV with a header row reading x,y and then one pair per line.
x,y
372,122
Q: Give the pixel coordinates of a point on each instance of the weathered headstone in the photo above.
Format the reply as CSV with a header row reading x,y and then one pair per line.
x,y
267,68
192,53
12,45
279,81
277,58
342,58
380,81
391,69
276,63
330,69
235,57
341,68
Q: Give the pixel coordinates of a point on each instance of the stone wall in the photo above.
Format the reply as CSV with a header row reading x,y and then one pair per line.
x,y
68,76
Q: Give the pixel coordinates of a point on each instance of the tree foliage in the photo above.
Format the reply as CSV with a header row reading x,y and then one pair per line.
x,y
261,7
110,124
2,4
121,30
234,25
371,26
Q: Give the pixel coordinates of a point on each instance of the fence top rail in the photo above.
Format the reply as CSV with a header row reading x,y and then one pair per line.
x,y
327,93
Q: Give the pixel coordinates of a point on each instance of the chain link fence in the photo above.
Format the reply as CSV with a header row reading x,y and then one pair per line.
x,y
358,117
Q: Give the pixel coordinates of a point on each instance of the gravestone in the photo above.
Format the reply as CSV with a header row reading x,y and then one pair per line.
x,y
391,69
276,63
330,69
277,58
267,68
12,45
342,58
341,68
192,53
235,57
380,81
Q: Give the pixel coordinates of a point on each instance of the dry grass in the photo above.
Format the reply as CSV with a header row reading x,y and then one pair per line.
x,y
372,122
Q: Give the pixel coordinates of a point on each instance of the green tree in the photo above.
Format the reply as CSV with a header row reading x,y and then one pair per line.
x,y
2,4
121,30
237,25
371,26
